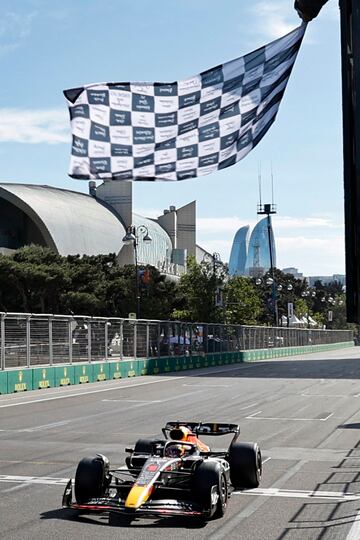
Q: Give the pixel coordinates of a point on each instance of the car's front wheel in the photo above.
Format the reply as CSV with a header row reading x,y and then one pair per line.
x,y
91,479
210,488
245,465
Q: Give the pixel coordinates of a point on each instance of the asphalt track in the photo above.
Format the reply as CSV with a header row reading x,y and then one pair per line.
x,y
303,411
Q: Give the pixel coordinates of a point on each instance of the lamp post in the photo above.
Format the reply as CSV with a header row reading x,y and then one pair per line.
x,y
132,237
268,210
308,293
276,291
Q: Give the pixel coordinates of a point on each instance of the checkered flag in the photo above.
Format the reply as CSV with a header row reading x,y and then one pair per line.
x,y
179,130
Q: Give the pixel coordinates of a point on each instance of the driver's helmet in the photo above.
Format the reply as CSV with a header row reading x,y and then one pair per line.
x,y
180,433
175,450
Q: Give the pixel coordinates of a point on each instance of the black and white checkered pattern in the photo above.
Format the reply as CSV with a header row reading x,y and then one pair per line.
x,y
174,131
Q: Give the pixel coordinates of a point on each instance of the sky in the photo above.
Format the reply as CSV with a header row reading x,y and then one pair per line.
x,y
46,47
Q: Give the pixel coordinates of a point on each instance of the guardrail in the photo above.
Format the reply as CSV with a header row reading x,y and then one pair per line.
x,y
29,340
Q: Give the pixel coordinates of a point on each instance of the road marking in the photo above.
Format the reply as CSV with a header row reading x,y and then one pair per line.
x,y
64,396
149,402
209,385
354,533
132,400
301,494
265,492
331,395
248,406
54,395
34,480
46,426
255,417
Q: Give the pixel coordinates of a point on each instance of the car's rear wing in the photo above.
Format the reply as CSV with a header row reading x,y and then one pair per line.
x,y
205,428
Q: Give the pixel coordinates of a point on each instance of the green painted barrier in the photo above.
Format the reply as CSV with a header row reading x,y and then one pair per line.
x,y
43,377
20,380
3,382
115,370
83,373
101,371
64,375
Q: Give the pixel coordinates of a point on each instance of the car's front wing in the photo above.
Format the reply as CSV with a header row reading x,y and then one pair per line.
x,y
152,508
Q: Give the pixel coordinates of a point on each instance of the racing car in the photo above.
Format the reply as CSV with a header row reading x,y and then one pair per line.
x,y
176,475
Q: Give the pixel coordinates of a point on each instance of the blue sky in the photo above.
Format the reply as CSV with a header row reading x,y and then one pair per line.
x,y
46,47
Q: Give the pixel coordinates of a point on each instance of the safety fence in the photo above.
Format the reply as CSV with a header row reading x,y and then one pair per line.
x,y
28,340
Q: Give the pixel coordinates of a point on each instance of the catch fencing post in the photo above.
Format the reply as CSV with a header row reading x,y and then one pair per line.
x,y
70,340
51,352
89,340
135,338
121,339
2,337
28,341
106,337
147,339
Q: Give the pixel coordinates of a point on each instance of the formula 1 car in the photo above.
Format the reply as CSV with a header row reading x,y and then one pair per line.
x,y
177,475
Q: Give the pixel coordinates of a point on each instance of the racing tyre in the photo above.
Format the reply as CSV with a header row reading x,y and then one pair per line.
x,y
142,446
90,479
210,488
245,465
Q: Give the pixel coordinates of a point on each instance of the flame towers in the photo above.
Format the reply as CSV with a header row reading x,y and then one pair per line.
x,y
253,257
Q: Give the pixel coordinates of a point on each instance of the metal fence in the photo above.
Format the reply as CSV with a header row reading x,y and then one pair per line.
x,y
30,340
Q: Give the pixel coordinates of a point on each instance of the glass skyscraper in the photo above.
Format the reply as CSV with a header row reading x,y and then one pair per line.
x,y
239,251
252,258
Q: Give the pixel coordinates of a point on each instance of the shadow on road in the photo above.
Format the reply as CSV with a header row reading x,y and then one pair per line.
x,y
320,519
118,520
337,368
350,426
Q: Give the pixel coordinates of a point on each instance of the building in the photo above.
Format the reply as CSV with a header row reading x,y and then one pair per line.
x,y
76,223
239,250
326,280
252,258
294,272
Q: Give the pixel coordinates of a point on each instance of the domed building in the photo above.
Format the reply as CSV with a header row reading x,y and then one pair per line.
x,y
73,223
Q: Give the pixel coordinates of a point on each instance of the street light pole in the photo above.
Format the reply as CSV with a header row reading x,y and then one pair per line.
x,y
269,209
132,237
137,285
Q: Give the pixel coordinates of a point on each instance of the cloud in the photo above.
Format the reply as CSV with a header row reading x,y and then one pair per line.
x,y
49,126
313,256
283,223
315,245
14,29
275,18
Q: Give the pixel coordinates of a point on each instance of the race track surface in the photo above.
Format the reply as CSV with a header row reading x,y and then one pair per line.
x,y
303,411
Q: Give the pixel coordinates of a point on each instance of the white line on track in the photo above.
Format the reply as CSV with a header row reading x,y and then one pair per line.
x,y
265,492
354,533
209,385
149,402
255,416
64,396
55,395
331,395
301,494
248,406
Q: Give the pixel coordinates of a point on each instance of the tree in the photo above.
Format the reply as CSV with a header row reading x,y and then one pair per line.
x,y
196,293
242,301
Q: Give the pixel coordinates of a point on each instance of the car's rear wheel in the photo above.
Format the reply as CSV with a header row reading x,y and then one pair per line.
x,y
245,465
210,488
90,479
142,446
